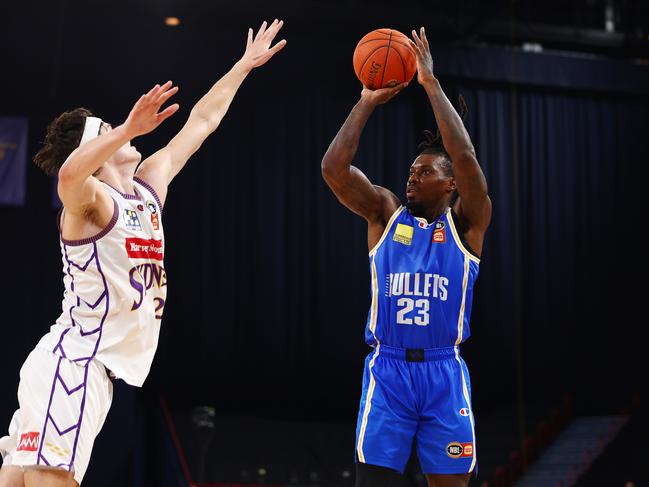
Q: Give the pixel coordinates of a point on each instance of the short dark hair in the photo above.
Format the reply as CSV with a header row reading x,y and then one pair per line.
x,y
433,144
62,137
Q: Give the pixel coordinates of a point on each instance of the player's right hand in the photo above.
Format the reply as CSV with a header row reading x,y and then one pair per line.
x,y
381,95
145,115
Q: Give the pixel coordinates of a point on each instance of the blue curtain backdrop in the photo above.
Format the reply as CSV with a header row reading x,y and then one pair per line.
x,y
268,273
13,160
280,289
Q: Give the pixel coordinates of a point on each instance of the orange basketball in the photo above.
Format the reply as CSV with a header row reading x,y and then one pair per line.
x,y
384,58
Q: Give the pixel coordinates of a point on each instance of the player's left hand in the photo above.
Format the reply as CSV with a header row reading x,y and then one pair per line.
x,y
146,114
258,50
424,59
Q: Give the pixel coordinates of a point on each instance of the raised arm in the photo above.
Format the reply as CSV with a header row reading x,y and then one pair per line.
x,y
474,205
352,188
77,187
159,169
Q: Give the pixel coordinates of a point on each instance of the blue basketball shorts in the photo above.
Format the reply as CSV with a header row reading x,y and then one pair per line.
x,y
419,397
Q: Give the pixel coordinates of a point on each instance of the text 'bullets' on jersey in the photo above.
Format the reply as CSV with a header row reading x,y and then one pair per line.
x,y
422,284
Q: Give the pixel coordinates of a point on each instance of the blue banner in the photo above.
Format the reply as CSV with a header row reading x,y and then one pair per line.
x,y
13,160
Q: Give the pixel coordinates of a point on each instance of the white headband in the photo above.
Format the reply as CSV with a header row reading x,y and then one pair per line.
x,y
90,130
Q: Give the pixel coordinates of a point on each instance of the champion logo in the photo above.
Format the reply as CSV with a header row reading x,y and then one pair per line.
x,y
141,248
464,412
28,441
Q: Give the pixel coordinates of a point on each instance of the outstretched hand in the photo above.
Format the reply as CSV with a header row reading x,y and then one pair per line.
x,y
424,59
258,50
145,115
381,95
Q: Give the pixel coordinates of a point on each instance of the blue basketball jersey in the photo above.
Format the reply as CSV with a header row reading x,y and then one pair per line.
x,y
422,284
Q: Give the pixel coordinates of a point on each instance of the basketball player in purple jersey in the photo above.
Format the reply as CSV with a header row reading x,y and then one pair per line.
x,y
424,259
112,247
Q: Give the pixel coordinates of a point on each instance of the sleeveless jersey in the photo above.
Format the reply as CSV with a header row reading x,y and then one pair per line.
x,y
422,284
115,289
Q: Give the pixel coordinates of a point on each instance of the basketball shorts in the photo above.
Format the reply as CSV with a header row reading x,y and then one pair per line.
x,y
62,407
419,398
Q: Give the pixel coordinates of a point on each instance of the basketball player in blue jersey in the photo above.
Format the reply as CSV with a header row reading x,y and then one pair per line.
x,y
112,246
424,259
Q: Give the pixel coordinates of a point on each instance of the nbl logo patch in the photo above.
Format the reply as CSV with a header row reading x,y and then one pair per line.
x,y
28,441
459,450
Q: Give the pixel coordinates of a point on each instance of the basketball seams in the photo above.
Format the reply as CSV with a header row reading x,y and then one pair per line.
x,y
385,63
403,64
369,56
396,41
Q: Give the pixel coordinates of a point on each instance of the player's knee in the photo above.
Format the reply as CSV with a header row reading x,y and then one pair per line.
x,y
448,480
49,477
374,476
11,476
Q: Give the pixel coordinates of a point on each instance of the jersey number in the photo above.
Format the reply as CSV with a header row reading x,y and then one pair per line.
x,y
160,303
408,304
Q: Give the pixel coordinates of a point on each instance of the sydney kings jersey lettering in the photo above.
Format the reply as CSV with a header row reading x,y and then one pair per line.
x,y
115,290
422,284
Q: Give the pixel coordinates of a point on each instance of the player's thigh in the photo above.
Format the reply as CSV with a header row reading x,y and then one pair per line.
x,y
387,420
11,476
448,480
375,476
446,434
49,477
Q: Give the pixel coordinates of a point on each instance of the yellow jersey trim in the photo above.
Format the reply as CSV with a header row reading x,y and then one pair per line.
x,y
387,229
465,392
460,319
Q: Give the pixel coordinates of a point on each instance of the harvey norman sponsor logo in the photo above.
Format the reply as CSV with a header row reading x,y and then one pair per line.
x,y
142,248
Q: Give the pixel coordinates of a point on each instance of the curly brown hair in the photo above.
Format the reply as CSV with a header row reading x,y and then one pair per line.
x,y
62,137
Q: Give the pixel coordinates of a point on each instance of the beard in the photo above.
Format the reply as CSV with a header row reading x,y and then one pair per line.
x,y
415,208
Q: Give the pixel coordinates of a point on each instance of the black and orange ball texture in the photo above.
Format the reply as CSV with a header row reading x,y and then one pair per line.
x,y
383,58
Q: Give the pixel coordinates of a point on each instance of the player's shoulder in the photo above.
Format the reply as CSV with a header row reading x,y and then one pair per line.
x,y
390,203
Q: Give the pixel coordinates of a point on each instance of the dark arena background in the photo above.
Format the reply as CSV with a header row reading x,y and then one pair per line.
x,y
257,376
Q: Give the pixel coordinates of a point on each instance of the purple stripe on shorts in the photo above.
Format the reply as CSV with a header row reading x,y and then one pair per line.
x,y
56,426
65,386
83,406
49,405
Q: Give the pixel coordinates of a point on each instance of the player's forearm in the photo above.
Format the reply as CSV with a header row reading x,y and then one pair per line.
x,y
213,106
454,135
342,149
87,159
456,139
